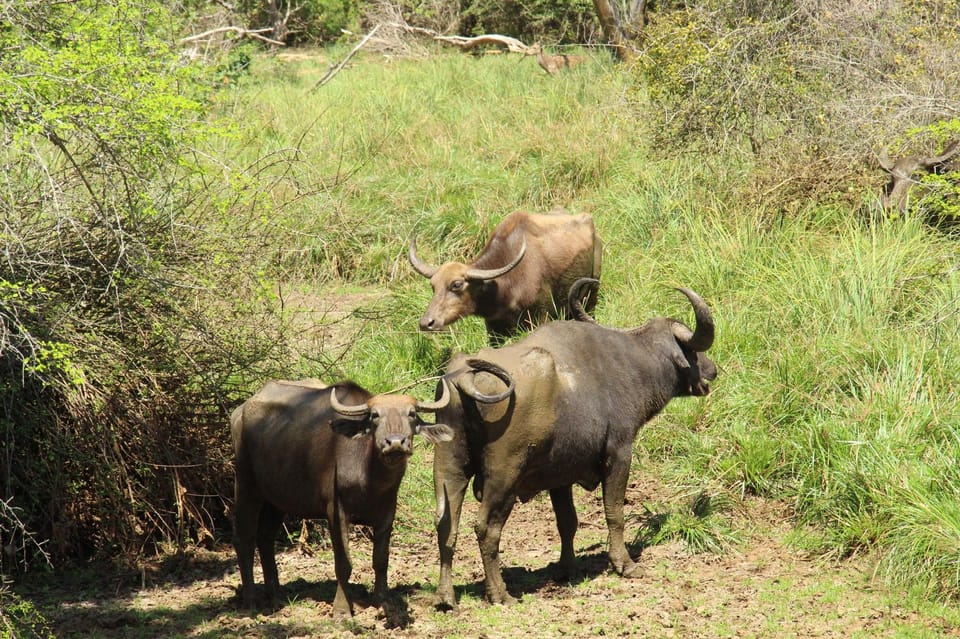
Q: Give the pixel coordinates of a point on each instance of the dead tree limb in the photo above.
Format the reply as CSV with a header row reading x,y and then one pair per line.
x,y
248,33
336,68
609,15
510,44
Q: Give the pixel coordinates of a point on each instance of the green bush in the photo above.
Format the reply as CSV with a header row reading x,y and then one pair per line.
x,y
19,619
309,22
569,21
117,364
938,197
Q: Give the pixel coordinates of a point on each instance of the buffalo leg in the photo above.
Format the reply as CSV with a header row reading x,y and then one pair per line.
x,y
614,493
493,514
451,461
450,493
270,521
246,513
562,500
339,537
381,557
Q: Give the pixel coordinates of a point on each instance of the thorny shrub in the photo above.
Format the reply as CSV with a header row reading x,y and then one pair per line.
x,y
119,356
809,90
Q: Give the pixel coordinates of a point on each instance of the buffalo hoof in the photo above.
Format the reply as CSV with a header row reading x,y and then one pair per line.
x,y
567,568
256,599
633,571
442,604
502,598
342,609
342,614
446,599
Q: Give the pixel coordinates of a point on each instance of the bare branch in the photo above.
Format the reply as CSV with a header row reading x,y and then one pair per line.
x,y
248,33
336,68
466,43
511,44
11,525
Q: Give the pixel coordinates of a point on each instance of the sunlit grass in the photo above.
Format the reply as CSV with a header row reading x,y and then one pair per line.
x,y
837,334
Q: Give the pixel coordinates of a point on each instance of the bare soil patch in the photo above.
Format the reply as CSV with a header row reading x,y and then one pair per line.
x,y
760,588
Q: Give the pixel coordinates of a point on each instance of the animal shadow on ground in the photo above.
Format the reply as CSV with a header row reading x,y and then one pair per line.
x,y
95,600
591,563
396,611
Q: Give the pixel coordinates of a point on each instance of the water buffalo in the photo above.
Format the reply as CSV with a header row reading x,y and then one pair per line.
x,y
330,452
336,453
582,392
521,277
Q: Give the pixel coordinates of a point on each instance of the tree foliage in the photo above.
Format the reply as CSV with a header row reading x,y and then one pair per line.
x,y
813,88
114,371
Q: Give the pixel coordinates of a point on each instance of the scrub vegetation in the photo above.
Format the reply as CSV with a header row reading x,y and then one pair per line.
x,y
177,231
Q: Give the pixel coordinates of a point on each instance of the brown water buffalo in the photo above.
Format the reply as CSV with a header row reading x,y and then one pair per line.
x,y
336,453
521,277
329,452
582,392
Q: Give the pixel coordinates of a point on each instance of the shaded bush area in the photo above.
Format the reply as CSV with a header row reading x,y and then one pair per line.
x,y
123,344
556,20
316,22
812,91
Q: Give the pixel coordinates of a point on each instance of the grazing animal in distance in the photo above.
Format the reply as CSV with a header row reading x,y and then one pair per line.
x,y
582,392
552,64
902,171
331,452
521,277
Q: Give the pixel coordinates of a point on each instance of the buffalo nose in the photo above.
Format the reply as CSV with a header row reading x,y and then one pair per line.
x,y
395,444
428,324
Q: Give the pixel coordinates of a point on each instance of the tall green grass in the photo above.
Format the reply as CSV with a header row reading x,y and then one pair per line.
x,y
838,336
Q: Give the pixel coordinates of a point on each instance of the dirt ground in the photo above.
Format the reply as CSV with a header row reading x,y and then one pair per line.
x,y
761,587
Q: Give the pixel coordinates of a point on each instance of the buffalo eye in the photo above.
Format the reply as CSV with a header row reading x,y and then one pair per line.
x,y
457,285
374,414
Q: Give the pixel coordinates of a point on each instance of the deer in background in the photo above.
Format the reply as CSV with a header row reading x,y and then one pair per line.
x,y
553,63
903,169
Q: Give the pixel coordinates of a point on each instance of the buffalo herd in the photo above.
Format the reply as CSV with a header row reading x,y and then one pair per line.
x,y
557,406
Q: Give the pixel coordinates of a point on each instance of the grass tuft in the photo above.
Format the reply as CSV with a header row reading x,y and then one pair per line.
x,y
698,524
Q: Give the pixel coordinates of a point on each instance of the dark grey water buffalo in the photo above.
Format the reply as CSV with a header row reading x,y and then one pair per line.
x,y
336,453
582,392
520,278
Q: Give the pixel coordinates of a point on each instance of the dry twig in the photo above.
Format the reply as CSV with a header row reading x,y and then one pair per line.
x,y
336,68
249,33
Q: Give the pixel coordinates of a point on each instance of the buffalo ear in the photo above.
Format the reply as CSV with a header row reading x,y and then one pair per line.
x,y
679,358
351,426
435,433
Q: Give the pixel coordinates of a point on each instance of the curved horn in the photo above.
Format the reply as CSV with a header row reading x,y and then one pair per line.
x,y
479,365
576,294
432,407
489,274
421,267
701,338
347,411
